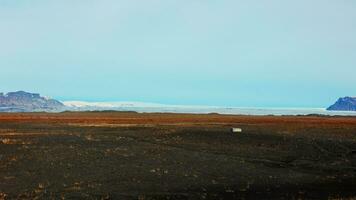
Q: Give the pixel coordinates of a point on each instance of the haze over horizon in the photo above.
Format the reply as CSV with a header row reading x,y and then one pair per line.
x,y
229,53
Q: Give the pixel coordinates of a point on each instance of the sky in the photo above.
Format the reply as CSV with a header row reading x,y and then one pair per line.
x,y
255,53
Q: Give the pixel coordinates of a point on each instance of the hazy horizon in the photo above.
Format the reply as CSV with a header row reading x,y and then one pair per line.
x,y
119,103
228,53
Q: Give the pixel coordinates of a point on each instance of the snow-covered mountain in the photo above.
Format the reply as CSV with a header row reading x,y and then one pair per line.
x,y
134,106
83,105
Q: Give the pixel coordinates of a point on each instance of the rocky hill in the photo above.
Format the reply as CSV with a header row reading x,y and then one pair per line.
x,y
28,102
344,104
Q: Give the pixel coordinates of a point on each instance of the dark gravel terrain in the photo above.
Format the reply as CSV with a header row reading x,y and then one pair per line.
x,y
167,156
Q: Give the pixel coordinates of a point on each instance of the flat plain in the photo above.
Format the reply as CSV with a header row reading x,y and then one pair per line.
x,y
126,155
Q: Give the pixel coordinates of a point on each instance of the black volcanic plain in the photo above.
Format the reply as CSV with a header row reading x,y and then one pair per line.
x,y
113,155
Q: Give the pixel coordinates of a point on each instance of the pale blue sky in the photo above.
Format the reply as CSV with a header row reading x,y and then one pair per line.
x,y
275,53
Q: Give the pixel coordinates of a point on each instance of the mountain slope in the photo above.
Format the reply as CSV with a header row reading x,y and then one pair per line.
x,y
344,104
27,102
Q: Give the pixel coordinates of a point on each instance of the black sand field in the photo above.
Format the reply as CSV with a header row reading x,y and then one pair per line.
x,y
166,156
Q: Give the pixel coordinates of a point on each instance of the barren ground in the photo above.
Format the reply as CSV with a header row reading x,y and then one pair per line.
x,y
115,155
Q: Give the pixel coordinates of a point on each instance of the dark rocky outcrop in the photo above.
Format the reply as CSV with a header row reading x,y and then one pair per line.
x,y
27,102
344,104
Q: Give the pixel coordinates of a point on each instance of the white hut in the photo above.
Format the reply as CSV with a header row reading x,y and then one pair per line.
x,y
236,130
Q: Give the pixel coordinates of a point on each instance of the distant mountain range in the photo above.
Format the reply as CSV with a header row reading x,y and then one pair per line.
x,y
28,102
21,101
83,105
31,102
344,104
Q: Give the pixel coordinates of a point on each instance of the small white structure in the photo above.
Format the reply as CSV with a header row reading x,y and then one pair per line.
x,y
236,130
